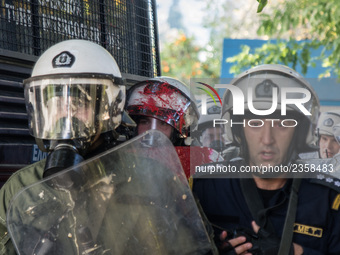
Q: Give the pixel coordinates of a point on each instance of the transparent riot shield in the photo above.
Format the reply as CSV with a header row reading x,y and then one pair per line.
x,y
192,156
133,199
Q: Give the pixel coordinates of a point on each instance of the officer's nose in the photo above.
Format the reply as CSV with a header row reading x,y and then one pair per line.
x,y
267,134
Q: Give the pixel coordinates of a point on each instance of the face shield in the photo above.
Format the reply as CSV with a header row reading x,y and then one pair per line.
x,y
149,123
69,108
145,124
210,136
214,137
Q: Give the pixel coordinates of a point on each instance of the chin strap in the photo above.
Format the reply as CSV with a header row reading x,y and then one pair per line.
x,y
255,204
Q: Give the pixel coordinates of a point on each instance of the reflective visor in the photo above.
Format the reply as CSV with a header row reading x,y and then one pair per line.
x,y
68,108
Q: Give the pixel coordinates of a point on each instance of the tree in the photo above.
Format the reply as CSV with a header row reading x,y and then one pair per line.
x,y
262,4
295,28
231,19
183,59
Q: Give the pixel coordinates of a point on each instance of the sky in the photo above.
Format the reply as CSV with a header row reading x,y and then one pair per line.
x,y
192,13
241,13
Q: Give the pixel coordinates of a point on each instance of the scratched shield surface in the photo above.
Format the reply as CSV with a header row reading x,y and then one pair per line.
x,y
133,199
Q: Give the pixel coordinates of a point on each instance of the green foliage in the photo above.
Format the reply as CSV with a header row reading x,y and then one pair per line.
x,y
184,59
314,22
262,4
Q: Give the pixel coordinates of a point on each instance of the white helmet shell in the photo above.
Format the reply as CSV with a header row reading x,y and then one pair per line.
x,y
213,112
336,131
326,122
76,56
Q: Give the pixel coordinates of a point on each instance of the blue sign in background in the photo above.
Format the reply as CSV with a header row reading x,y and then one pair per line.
x,y
328,89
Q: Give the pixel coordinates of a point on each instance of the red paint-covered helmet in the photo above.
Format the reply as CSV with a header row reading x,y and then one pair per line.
x,y
166,99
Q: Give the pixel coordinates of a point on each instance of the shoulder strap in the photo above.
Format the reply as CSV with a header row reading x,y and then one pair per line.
x,y
287,234
255,204
257,210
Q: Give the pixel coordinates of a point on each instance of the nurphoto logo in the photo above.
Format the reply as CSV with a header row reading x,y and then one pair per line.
x,y
239,101
262,100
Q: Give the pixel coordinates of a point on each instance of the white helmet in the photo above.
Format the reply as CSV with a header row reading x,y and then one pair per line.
x,y
214,137
76,91
213,112
326,122
262,80
336,132
166,99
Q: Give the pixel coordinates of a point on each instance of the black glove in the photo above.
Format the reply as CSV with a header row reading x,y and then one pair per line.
x,y
266,244
225,248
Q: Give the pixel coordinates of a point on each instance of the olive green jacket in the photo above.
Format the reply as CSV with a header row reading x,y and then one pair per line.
x,y
20,179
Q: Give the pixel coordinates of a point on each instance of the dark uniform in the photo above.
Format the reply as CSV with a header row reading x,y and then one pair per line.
x,y
317,222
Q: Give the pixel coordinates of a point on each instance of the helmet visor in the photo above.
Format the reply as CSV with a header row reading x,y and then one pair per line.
x,y
69,108
213,137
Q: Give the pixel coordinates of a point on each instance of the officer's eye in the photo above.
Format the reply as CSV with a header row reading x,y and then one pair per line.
x,y
255,124
324,138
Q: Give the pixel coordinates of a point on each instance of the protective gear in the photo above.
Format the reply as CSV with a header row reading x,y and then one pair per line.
x,y
264,243
322,192
210,136
326,122
75,94
213,112
165,99
262,81
336,131
125,201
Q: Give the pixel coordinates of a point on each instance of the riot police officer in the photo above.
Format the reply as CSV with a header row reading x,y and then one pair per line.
x,y
75,101
324,131
267,212
165,104
215,137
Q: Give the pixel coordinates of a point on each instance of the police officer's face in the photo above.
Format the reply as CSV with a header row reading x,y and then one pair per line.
x,y
148,123
71,107
328,146
268,143
212,134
